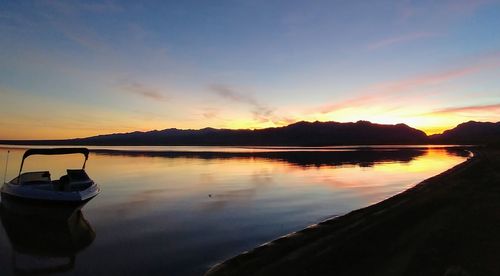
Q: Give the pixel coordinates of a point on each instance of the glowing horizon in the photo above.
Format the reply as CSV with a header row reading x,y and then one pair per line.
x,y
79,69
238,126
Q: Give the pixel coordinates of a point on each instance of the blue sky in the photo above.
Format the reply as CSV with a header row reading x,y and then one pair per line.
x,y
80,68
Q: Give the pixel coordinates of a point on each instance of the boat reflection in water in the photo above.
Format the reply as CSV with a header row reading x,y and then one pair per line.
x,y
44,239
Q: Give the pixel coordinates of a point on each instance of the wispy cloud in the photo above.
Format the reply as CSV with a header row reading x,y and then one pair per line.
x,y
104,6
81,35
438,11
400,39
260,111
72,7
210,113
490,109
68,18
405,10
144,91
466,6
231,94
382,92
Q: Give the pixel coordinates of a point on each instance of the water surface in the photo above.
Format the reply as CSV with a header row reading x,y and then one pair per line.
x,y
180,211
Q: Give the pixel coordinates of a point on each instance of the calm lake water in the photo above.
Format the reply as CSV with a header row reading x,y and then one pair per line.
x,y
179,212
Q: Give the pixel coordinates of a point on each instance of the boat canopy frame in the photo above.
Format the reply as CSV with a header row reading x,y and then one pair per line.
x,y
53,151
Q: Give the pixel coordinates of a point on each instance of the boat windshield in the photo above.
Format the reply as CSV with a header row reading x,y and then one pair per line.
x,y
31,178
43,177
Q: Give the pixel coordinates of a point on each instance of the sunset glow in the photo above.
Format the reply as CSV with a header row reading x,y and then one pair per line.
x,y
75,69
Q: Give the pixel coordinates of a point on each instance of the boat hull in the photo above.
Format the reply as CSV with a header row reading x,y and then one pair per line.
x,y
28,194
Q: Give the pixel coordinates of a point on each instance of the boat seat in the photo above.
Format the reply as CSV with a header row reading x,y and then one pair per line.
x,y
77,176
78,180
35,178
62,184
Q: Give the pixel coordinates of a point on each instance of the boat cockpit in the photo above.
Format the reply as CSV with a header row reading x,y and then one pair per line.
x,y
73,180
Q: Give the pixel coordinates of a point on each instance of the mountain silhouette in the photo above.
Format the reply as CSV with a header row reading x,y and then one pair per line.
x,y
297,134
471,132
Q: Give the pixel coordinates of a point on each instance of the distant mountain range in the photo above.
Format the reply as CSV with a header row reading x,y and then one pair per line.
x,y
470,133
297,134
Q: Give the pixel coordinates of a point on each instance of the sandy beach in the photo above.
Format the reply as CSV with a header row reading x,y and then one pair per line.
x,y
446,225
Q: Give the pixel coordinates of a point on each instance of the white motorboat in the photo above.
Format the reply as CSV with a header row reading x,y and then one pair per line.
x,y
75,187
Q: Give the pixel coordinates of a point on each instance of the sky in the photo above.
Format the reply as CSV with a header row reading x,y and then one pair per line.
x,y
81,68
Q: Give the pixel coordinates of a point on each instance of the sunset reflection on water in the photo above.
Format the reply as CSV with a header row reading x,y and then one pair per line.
x,y
180,213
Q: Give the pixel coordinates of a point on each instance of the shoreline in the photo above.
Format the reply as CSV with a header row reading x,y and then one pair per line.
x,y
391,237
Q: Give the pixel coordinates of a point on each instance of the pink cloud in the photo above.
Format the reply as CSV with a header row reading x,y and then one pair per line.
x,y
144,91
400,39
381,91
491,108
261,112
466,6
